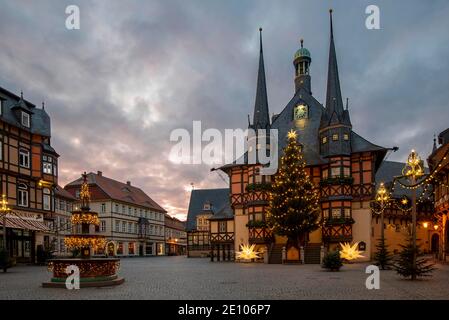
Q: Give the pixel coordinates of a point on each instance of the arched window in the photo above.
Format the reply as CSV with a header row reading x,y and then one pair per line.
x,y
22,195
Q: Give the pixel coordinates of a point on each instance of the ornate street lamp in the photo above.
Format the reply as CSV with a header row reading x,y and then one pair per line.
x,y
382,200
4,210
413,170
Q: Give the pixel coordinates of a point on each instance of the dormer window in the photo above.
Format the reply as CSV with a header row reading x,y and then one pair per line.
x,y
206,206
25,118
335,137
346,137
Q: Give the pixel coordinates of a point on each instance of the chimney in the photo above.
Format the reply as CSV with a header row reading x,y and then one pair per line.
x,y
100,173
128,183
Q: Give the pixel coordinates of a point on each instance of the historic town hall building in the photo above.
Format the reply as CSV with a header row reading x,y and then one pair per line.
x,y
341,163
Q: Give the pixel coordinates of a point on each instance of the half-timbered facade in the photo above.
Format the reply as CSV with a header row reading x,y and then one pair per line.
x,y
29,170
204,204
440,159
341,163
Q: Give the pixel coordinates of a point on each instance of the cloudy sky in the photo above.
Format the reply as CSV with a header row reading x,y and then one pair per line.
x,y
136,70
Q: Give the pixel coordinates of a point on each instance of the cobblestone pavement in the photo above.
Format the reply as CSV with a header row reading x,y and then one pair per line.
x,y
195,278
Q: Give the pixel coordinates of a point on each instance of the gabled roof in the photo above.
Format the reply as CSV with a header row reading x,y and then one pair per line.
x,y
119,191
60,192
218,198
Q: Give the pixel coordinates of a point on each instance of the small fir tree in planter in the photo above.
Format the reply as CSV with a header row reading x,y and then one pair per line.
x,y
332,261
294,201
404,264
383,258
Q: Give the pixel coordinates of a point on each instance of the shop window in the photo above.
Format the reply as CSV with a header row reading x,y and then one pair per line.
x,y
120,248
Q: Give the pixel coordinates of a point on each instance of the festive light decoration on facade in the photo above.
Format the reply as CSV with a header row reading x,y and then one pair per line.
x,y
349,252
247,252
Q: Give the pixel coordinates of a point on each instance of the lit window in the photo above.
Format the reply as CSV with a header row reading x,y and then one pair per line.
x,y
257,179
24,158
25,119
346,136
335,172
347,212
324,140
47,166
326,213
346,171
23,195
336,213
325,174
46,199
335,137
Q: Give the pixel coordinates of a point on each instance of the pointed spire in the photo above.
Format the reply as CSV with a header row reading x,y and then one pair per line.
x,y
434,143
261,119
334,101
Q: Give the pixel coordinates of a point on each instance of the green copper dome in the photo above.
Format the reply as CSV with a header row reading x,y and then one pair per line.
x,y
302,52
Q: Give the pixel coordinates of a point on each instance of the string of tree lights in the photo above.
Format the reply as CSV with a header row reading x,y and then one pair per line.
x,y
294,200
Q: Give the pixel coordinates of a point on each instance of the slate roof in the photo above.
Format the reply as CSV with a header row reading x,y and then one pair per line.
x,y
120,191
218,198
261,118
225,213
335,114
40,121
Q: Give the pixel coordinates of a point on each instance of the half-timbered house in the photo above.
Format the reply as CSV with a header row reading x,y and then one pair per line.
x,y
29,170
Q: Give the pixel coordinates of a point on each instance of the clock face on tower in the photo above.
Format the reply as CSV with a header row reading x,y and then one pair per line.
x,y
301,112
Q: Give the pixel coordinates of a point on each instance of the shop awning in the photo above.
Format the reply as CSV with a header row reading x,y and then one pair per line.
x,y
18,223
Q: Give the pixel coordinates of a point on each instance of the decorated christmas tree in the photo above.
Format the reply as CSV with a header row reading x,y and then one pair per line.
x,y
383,258
404,265
294,201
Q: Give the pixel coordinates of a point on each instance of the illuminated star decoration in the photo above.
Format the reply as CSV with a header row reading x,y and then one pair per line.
x,y
247,252
292,134
349,252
